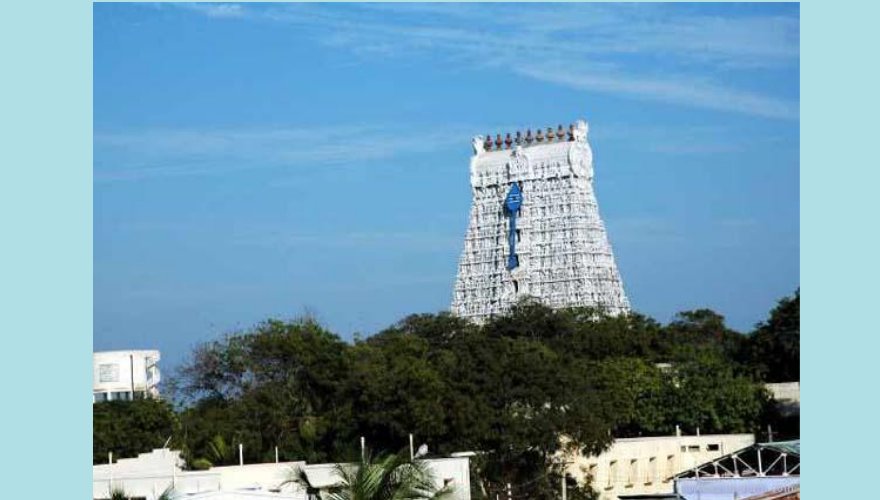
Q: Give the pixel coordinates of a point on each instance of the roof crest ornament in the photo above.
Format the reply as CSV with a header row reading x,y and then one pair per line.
x,y
577,132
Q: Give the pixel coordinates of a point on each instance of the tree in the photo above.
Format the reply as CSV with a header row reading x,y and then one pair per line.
x,y
701,329
128,428
514,392
704,392
498,389
394,389
773,349
276,385
707,393
522,390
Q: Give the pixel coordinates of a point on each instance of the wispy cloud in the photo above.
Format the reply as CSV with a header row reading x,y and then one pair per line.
x,y
660,53
689,92
182,152
219,10
411,240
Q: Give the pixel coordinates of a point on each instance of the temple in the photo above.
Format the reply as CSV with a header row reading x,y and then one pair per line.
x,y
535,228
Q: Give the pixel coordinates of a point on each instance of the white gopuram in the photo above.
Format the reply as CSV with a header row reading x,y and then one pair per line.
x,y
535,228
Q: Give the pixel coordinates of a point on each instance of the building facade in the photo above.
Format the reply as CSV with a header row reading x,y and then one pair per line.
x,y
648,465
535,228
125,375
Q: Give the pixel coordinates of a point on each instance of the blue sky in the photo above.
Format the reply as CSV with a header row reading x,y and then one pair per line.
x,y
255,161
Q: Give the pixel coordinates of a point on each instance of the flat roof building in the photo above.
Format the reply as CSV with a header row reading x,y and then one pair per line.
x,y
150,474
125,375
648,465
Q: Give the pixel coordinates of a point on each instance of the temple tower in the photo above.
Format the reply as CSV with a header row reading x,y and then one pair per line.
x,y
535,228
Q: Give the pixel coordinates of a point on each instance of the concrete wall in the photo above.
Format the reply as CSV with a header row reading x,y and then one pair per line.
x,y
646,465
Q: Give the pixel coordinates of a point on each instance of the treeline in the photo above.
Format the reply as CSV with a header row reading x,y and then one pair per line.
x,y
508,389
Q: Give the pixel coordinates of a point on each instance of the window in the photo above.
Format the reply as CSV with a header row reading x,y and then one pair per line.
x,y
713,447
651,473
670,467
515,286
100,397
633,472
108,372
694,448
120,396
612,474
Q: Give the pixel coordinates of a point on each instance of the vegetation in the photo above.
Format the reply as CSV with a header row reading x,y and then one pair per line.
x,y
773,350
508,390
127,428
119,494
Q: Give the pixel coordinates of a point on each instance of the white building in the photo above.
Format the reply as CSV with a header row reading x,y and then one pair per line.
x,y
647,465
787,396
535,228
125,375
150,474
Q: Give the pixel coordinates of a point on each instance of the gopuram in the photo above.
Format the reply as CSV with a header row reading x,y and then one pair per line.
x,y
535,228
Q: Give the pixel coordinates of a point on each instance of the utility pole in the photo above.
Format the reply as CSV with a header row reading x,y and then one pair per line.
x,y
131,371
564,488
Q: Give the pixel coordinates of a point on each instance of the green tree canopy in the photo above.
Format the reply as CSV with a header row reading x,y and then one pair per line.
x,y
773,349
278,385
128,428
517,390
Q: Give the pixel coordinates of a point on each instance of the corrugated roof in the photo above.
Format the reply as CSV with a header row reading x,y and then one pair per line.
x,y
789,447
787,493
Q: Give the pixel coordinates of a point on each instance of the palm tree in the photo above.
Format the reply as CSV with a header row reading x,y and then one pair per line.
x,y
392,477
219,453
119,494
168,494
